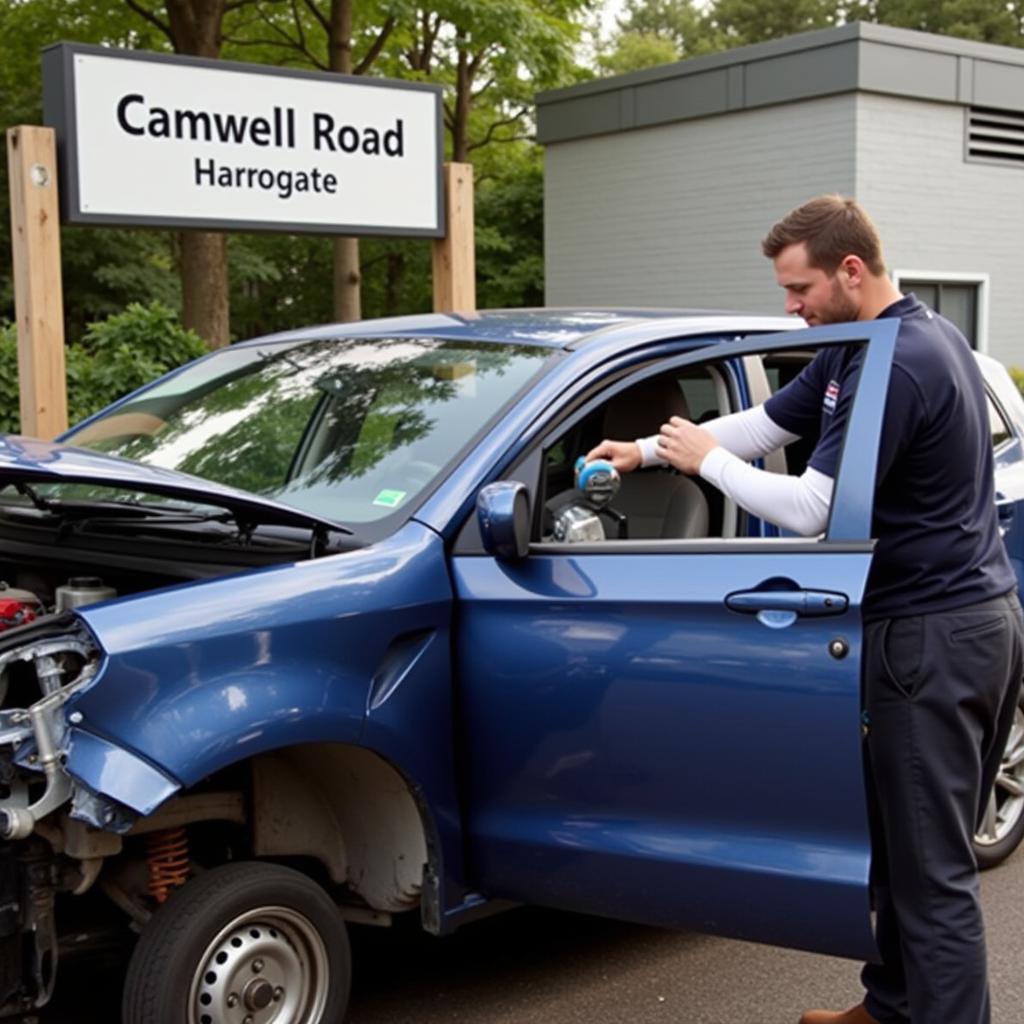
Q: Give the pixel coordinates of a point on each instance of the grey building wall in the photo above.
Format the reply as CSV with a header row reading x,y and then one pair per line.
x,y
674,215
938,212
661,183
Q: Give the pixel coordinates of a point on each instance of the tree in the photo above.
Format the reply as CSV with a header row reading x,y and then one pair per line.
x,y
328,38
196,28
987,21
681,22
491,56
741,22
510,228
636,50
104,269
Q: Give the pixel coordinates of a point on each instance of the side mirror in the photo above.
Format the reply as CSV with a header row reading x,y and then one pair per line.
x,y
503,513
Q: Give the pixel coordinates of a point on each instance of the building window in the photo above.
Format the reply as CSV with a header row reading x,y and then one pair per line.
x,y
960,298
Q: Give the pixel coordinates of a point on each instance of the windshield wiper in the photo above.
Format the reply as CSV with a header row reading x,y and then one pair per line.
x,y
98,511
114,511
26,492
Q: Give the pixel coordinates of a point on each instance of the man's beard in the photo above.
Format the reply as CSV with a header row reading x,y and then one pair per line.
x,y
841,308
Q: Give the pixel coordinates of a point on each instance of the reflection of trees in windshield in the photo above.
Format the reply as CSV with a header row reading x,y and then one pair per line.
x,y
368,413
314,413
242,434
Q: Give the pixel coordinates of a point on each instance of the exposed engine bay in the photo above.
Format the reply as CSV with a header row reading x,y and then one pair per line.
x,y
44,660
56,834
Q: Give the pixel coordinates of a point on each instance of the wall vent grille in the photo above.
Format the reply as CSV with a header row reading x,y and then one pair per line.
x,y
996,135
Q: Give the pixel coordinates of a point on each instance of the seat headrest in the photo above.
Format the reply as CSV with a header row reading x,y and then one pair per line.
x,y
641,410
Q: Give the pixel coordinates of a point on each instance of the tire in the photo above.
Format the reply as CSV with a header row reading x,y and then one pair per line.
x,y
1002,827
242,941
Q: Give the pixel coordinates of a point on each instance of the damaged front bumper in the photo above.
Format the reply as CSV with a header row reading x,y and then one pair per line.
x,y
45,666
51,661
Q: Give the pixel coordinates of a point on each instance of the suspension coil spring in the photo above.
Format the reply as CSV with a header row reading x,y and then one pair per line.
x,y
168,860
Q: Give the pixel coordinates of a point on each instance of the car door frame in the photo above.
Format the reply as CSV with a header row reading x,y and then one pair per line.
x,y
848,532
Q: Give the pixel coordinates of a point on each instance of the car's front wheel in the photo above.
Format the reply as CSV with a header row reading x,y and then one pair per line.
x,y
246,942
1002,826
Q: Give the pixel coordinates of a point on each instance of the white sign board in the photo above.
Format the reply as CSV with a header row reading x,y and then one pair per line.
x,y
184,142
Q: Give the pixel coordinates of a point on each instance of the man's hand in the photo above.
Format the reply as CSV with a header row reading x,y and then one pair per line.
x,y
684,444
623,455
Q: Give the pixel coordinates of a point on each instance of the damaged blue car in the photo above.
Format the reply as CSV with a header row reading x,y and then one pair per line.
x,y
325,628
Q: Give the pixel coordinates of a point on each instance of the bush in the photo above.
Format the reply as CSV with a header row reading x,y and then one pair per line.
x,y
9,417
115,356
1018,378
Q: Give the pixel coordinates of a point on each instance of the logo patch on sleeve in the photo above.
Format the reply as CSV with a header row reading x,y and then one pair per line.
x,y
831,397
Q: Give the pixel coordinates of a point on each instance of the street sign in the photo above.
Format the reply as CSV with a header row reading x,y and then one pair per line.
x,y
154,139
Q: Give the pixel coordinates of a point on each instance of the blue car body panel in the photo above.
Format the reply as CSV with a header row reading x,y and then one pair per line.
x,y
111,769
671,782
200,675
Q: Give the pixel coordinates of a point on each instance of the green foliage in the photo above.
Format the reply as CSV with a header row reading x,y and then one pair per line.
x,y
104,269
636,50
9,415
116,356
1018,378
125,351
510,232
987,21
739,22
695,29
682,22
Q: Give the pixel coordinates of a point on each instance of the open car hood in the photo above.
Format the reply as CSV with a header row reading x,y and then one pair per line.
x,y
28,460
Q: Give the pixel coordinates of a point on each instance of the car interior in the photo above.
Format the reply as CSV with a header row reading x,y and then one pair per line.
x,y
657,502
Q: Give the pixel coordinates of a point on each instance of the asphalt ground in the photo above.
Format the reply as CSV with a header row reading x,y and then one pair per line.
x,y
539,967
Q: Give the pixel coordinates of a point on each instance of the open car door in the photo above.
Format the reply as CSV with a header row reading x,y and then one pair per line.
x,y
670,731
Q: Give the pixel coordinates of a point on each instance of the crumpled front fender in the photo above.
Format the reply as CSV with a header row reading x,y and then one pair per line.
x,y
200,676
117,773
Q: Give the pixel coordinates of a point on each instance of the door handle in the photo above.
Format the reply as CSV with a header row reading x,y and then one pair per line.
x,y
799,602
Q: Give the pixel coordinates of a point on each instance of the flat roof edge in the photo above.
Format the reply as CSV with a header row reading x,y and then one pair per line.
x,y
860,56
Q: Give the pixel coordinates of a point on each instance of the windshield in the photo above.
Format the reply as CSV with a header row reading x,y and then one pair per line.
x,y
347,430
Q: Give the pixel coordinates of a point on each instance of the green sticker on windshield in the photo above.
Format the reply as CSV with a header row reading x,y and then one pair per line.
x,y
389,499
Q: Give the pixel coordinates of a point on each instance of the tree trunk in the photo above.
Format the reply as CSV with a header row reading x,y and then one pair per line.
x,y
460,122
204,286
393,282
347,278
196,29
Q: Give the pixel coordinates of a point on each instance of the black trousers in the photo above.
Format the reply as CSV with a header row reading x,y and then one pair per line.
x,y
940,692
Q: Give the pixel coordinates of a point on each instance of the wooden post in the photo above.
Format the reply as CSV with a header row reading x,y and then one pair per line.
x,y
455,254
38,294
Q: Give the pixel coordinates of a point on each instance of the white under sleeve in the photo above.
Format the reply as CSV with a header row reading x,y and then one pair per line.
x,y
747,434
797,503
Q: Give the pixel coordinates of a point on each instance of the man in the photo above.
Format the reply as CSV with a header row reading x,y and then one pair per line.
x,y
942,625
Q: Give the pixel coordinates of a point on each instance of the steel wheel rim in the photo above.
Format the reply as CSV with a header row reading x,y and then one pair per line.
x,y
1006,803
266,966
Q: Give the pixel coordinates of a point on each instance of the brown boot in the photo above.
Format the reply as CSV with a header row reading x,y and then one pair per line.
x,y
855,1015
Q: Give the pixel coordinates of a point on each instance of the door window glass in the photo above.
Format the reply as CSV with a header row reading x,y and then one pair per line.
x,y
651,503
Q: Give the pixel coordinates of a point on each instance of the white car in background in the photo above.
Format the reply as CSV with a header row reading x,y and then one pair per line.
x,y
1002,827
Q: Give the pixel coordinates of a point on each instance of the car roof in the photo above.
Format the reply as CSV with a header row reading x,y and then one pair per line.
x,y
1002,383
567,328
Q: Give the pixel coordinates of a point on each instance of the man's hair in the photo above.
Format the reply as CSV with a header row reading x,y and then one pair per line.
x,y
832,227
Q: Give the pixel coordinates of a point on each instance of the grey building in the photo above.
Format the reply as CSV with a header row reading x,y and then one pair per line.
x,y
660,184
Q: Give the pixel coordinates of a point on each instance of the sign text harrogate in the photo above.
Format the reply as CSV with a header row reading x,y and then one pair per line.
x,y
278,130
